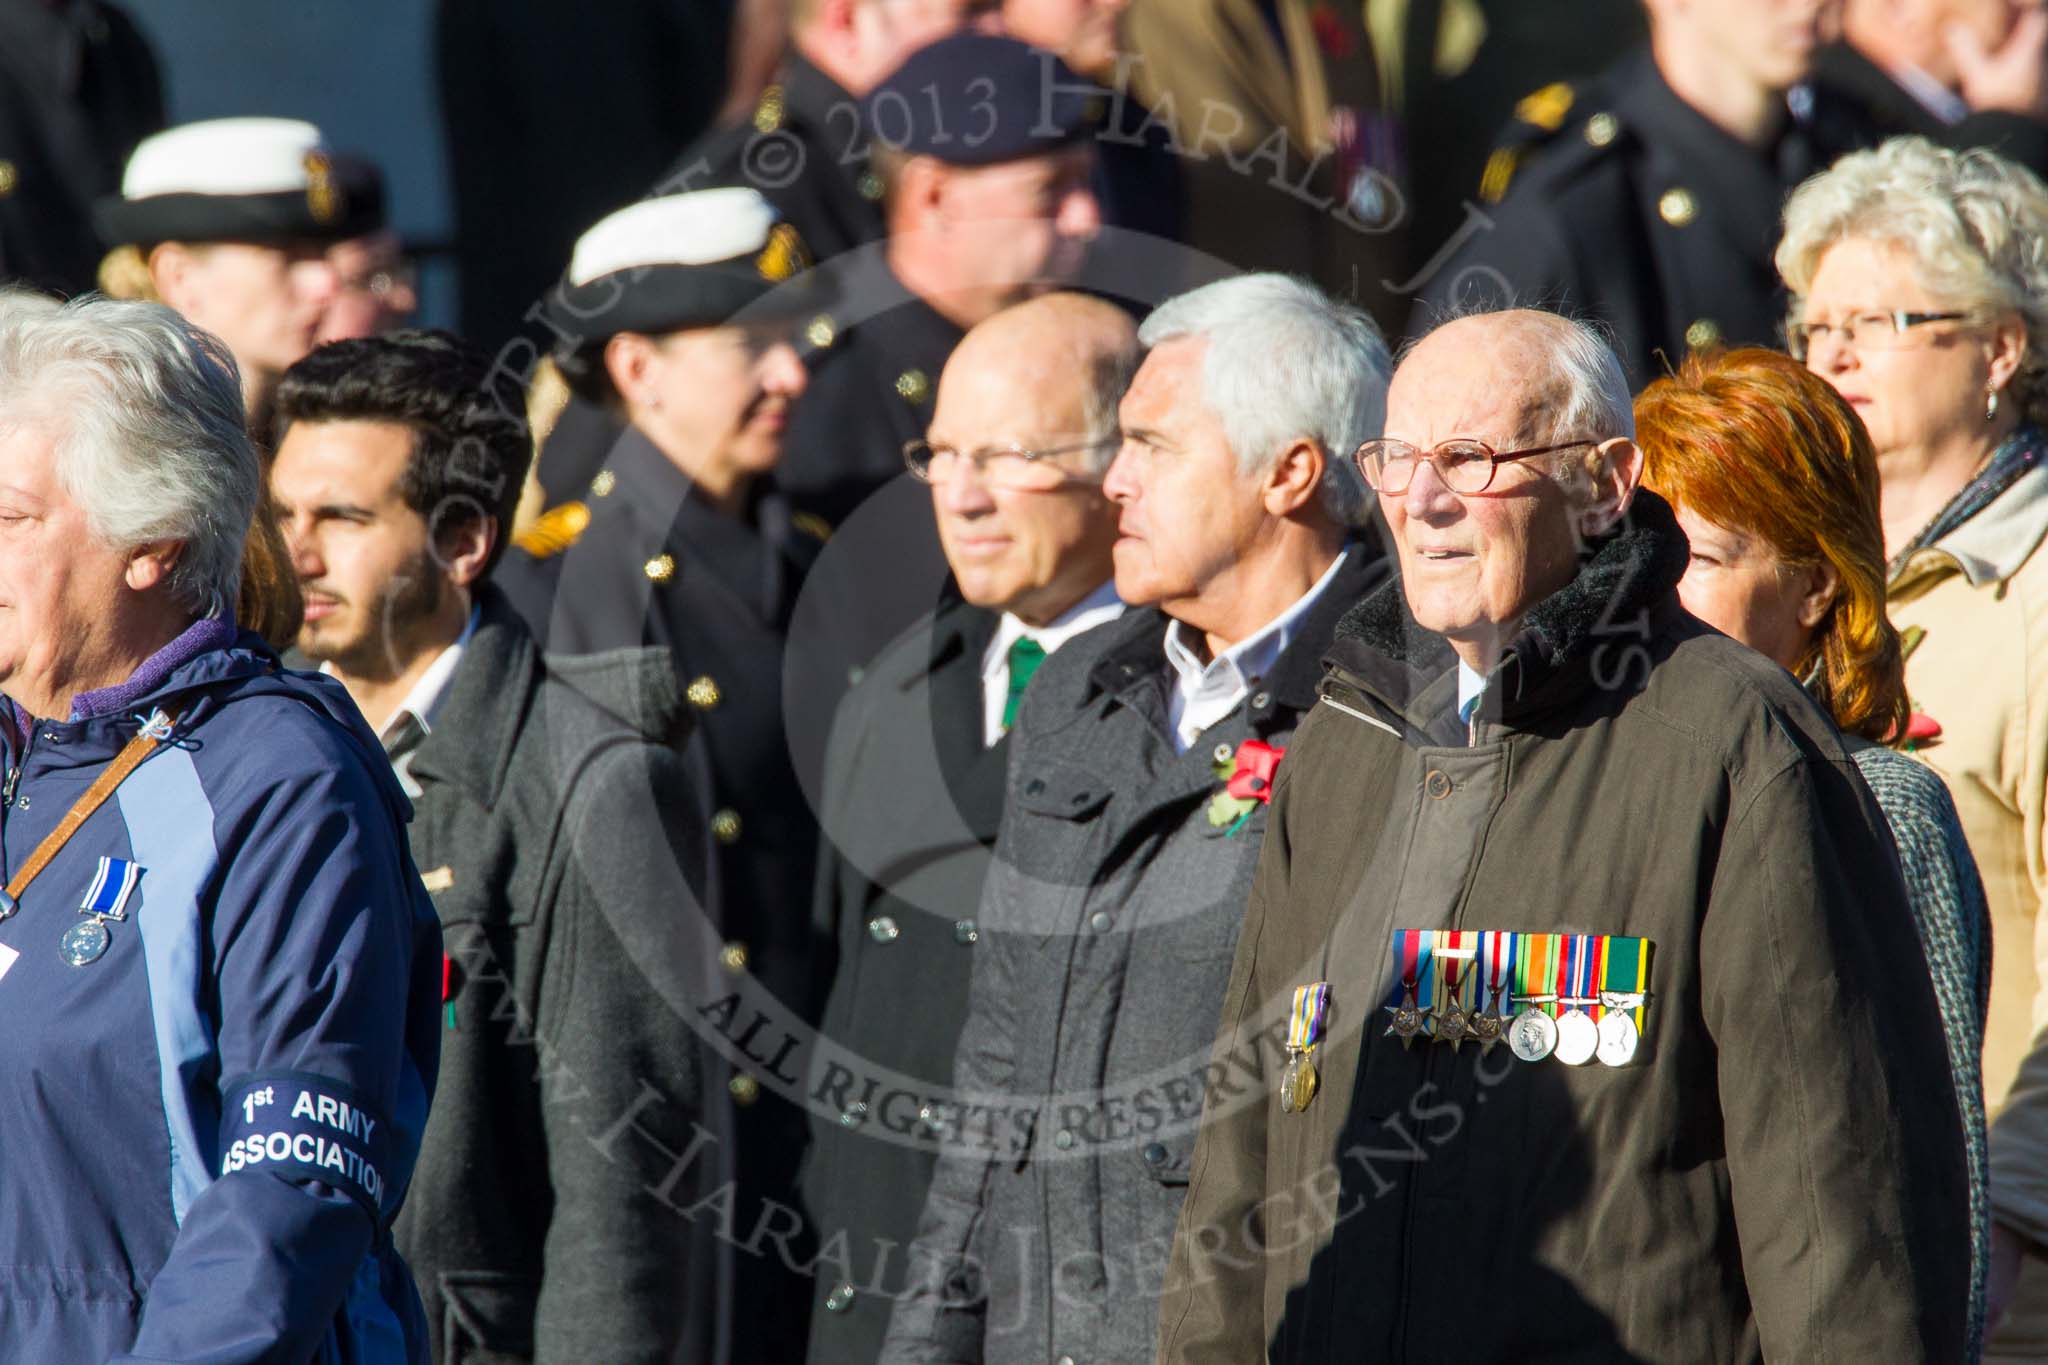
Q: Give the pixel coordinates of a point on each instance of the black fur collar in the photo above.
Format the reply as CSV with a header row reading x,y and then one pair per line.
x,y
1624,589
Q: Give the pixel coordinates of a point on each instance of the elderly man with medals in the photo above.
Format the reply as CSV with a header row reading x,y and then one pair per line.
x,y
217,962
1538,804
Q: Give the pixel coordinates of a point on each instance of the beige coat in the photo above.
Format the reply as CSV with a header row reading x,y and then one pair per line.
x,y
1272,122
1980,669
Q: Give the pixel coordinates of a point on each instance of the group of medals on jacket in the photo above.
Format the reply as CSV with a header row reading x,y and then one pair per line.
x,y
1572,997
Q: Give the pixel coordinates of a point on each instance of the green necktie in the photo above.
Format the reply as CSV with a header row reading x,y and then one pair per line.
x,y
1026,654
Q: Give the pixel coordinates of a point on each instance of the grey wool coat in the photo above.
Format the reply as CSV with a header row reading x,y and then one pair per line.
x,y
1108,922
550,831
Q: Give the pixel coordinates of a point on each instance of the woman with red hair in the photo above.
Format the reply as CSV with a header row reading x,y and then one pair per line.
x,y
1774,481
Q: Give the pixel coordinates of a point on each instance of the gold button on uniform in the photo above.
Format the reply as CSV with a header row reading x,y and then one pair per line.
x,y
733,957
768,113
913,386
9,178
702,693
744,1089
822,331
1601,129
1703,332
725,826
661,568
1677,206
602,485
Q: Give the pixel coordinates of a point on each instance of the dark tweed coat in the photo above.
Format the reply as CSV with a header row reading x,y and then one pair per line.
x,y
551,830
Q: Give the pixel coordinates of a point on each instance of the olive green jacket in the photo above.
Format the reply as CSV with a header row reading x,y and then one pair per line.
x,y
1777,1173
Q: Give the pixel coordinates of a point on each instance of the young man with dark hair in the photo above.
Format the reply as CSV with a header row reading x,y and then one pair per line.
x,y
549,804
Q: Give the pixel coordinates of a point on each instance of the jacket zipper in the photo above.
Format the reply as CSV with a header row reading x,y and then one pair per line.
x,y
1430,1069
7,791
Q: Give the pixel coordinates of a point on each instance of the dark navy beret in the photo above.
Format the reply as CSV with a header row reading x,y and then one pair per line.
x,y
975,99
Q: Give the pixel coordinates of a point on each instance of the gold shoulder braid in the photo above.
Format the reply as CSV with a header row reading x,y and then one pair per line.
x,y
554,530
783,256
1540,113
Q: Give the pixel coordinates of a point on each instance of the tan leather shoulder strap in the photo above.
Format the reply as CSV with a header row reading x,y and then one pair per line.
x,y
125,762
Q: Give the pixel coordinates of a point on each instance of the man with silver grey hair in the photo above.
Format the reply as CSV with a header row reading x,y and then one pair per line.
x,y
222,1044
1541,811
1141,761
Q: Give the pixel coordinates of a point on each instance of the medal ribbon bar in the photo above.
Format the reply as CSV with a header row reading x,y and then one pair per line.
x,y
1626,972
1305,1021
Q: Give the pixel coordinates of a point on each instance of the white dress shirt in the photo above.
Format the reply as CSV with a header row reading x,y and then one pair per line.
x,y
1091,611
413,721
1205,693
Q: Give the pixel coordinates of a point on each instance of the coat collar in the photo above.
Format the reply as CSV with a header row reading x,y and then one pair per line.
x,y
1133,667
814,96
1628,581
492,698
485,706
959,631
973,771
1991,546
758,555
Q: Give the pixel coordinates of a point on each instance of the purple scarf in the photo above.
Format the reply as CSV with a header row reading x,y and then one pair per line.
x,y
207,633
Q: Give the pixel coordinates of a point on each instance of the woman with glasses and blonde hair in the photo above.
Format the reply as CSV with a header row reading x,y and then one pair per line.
x,y
1919,279
1776,488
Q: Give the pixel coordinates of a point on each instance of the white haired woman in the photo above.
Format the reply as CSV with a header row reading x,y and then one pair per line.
x,y
1921,293
216,959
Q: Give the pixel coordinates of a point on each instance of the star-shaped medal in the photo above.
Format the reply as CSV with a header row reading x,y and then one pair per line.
x,y
1453,1025
1407,1021
1488,1027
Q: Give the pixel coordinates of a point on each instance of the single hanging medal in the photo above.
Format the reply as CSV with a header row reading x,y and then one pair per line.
x,y
1533,1035
107,899
1624,985
1408,1014
1578,1037
1304,1030
1496,959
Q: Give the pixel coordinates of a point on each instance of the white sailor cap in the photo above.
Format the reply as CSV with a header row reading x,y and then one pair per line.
x,y
241,179
682,261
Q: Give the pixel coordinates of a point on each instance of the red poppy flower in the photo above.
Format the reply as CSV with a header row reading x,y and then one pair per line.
x,y
1256,763
1921,727
1331,35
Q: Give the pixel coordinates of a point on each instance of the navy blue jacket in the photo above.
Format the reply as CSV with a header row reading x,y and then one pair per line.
x,y
209,1128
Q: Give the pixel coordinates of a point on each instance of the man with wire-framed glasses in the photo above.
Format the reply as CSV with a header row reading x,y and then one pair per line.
x,y
1541,810
1024,424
